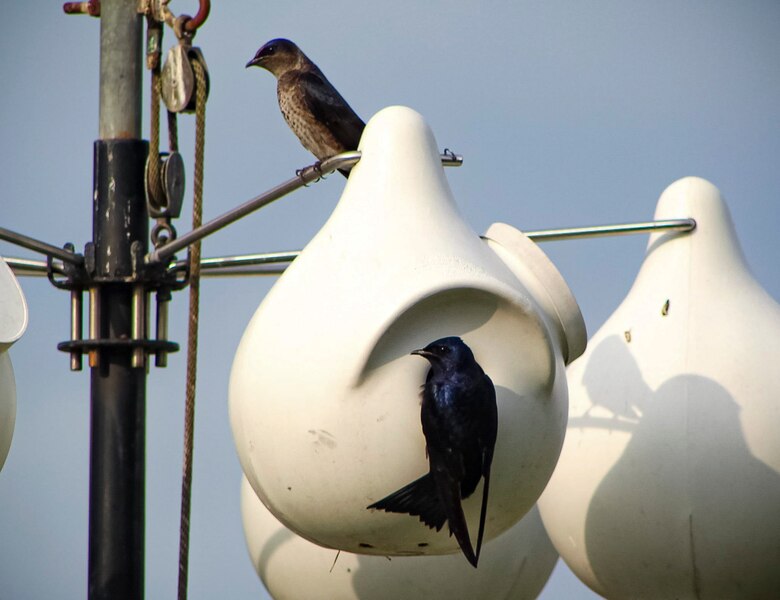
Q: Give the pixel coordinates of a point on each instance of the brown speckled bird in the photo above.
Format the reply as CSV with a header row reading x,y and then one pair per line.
x,y
323,121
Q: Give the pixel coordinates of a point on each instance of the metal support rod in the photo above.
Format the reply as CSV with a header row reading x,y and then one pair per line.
x,y
138,324
274,263
554,235
93,322
248,271
241,264
118,391
38,246
245,260
307,175
28,267
161,325
76,326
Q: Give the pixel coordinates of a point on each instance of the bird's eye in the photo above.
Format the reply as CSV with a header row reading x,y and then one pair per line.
x,y
270,50
444,349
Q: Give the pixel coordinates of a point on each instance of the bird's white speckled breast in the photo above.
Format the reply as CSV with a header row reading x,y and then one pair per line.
x,y
314,136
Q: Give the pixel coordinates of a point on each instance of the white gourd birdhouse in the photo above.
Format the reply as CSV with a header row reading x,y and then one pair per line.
x,y
514,566
668,485
13,322
324,395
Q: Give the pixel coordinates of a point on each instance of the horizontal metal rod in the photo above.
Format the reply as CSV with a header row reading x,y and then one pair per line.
x,y
553,235
244,260
271,263
38,246
274,263
259,270
307,175
33,268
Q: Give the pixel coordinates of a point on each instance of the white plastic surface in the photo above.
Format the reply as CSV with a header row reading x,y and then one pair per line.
x,y
13,322
7,405
514,566
537,272
668,485
13,308
324,396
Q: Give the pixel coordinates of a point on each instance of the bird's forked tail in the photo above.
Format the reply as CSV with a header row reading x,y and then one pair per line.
x,y
418,498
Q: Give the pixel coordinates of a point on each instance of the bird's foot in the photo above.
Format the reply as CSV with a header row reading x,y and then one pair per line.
x,y
306,173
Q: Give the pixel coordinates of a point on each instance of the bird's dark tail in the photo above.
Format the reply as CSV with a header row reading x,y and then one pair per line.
x,y
483,512
449,491
419,499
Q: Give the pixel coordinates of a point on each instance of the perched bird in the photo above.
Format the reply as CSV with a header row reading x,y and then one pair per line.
x,y
323,121
460,423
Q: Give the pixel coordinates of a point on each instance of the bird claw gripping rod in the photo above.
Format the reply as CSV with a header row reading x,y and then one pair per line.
x,y
303,177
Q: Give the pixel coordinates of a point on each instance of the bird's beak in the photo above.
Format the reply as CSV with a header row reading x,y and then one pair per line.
x,y
253,63
423,353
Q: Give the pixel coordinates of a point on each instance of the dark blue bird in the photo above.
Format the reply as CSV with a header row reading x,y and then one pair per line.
x,y
460,423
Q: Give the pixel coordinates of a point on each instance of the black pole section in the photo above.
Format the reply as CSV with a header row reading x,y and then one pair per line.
x,y
118,406
118,390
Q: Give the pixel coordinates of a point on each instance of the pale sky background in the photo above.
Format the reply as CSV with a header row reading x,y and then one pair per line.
x,y
566,113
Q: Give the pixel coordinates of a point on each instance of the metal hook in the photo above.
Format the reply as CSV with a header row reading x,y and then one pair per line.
x,y
162,233
192,24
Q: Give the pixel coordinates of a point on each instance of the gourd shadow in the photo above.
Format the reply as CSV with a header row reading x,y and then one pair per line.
x,y
272,545
455,311
513,566
687,511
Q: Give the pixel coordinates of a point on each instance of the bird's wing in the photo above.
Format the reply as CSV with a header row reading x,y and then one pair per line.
x,y
488,441
328,107
489,423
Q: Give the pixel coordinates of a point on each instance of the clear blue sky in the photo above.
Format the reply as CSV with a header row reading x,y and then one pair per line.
x,y
567,113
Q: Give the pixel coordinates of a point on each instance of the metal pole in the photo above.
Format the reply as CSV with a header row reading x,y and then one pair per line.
x,y
118,391
120,70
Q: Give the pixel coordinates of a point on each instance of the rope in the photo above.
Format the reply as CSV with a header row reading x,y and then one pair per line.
x,y
192,342
154,180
